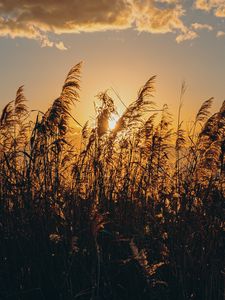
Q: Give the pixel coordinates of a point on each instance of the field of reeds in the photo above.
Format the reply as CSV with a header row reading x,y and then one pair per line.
x,y
136,212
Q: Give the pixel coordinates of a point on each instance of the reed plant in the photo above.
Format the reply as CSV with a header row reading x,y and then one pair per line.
x,y
136,212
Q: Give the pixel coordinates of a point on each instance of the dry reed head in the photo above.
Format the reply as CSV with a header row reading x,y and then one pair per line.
x,y
133,195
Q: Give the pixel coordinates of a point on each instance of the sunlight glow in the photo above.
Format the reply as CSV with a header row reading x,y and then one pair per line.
x,y
112,122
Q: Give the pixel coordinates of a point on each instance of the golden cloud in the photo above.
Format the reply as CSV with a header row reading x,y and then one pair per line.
x,y
36,19
220,33
68,15
187,35
199,26
218,6
150,18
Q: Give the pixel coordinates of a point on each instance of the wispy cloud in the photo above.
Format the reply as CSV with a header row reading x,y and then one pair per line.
x,y
188,35
199,26
220,33
60,46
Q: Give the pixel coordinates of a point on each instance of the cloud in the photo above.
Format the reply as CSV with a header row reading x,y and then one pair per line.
x,y
220,11
199,26
218,6
60,46
220,33
154,19
41,19
188,35
203,5
35,19
67,16
151,18
168,1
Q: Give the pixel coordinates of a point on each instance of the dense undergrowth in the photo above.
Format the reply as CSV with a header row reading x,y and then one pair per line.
x,y
132,213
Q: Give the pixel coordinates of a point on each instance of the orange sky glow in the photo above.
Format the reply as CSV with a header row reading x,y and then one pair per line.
x,y
122,43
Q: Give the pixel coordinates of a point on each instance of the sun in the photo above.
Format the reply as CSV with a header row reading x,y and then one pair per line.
x,y
112,122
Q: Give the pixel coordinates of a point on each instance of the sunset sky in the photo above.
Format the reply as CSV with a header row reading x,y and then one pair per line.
x,y
122,44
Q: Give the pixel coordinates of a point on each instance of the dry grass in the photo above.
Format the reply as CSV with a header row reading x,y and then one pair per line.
x,y
132,213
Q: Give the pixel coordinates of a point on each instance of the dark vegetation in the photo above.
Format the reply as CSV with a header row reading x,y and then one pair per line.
x,y
132,213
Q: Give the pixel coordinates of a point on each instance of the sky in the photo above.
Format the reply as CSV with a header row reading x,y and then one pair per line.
x,y
122,44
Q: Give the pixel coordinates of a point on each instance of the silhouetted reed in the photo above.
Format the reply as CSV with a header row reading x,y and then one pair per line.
x,y
136,212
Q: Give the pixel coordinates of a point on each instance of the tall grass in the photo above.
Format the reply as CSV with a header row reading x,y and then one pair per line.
x,y
132,213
